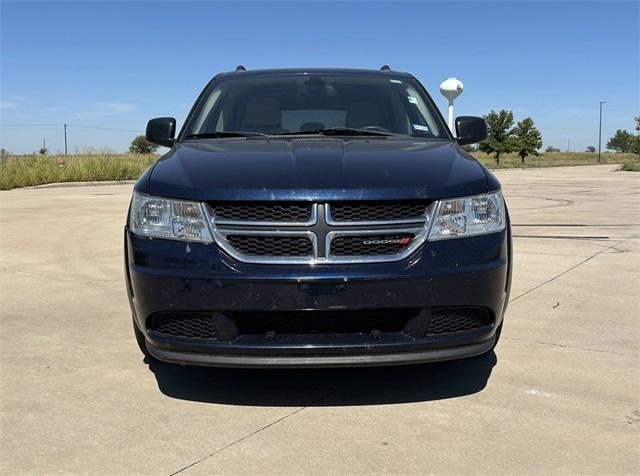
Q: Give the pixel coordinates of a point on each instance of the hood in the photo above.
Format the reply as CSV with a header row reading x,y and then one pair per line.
x,y
314,169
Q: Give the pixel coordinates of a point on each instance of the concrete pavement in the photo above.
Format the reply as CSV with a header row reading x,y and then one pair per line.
x,y
560,394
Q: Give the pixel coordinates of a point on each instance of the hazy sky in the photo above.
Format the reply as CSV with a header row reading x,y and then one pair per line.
x,y
114,65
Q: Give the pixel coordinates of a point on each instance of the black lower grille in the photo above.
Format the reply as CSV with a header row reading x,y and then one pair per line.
x,y
326,322
195,325
447,320
378,211
367,245
267,245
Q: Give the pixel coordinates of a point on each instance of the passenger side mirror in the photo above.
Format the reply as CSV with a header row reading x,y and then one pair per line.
x,y
161,131
470,129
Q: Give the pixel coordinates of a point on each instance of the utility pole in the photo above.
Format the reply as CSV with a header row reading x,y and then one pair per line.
x,y
600,133
65,139
568,145
44,144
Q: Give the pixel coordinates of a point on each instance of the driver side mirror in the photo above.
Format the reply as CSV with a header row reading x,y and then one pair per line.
x,y
470,129
161,131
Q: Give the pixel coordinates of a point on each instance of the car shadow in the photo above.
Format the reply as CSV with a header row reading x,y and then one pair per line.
x,y
324,387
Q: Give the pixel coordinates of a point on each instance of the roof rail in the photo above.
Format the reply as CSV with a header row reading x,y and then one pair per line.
x,y
385,67
240,68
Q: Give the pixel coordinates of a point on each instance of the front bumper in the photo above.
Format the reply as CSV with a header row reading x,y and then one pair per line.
x,y
165,275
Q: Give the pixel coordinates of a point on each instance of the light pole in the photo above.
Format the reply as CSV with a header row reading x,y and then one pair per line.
x,y
600,133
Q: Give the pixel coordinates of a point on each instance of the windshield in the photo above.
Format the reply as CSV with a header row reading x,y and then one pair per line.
x,y
296,102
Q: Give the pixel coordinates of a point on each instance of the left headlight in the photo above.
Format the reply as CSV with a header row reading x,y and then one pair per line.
x,y
468,216
156,217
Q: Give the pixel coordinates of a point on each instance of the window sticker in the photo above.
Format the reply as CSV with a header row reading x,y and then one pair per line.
x,y
419,127
412,100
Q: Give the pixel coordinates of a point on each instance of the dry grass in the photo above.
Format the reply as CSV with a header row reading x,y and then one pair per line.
x,y
560,159
27,170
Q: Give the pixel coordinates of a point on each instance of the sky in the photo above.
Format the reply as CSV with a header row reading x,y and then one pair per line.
x,y
105,68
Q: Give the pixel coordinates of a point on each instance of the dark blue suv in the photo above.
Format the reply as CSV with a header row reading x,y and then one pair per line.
x,y
316,217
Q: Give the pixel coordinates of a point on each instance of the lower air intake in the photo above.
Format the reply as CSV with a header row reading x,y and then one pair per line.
x,y
193,325
323,322
447,320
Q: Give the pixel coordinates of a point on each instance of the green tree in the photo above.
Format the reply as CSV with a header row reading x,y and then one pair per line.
x,y
43,151
499,135
637,119
140,145
527,138
591,149
622,141
552,149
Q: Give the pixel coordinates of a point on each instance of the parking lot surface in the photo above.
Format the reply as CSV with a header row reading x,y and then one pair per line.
x,y
561,393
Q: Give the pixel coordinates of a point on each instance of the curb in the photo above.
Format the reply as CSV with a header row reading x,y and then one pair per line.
x,y
76,184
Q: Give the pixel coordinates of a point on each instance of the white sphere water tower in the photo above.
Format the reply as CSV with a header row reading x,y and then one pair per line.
x,y
451,88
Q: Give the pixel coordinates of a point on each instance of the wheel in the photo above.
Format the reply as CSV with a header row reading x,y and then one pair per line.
x,y
142,343
498,332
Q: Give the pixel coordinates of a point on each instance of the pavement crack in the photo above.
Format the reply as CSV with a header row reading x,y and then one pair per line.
x,y
573,267
576,347
243,438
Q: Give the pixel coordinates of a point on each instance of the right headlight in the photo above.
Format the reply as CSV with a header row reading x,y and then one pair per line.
x,y
156,217
468,216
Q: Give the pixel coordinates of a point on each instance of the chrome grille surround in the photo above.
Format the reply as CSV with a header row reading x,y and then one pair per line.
x,y
321,230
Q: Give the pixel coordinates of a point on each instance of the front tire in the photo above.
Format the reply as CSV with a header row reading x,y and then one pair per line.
x,y
498,332
142,343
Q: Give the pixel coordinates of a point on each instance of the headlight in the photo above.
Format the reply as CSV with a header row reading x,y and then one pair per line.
x,y
171,219
460,217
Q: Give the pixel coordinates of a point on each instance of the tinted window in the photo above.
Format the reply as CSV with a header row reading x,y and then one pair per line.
x,y
285,103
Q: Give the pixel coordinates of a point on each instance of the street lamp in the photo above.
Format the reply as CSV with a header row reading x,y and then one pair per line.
x,y
600,133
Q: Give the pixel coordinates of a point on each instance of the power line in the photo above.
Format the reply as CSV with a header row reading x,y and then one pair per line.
x,y
28,125
103,128
81,126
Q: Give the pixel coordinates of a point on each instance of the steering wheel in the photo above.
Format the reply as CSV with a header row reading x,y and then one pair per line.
x,y
375,128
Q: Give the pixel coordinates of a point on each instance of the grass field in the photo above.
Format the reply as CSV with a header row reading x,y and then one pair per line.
x,y
27,170
629,162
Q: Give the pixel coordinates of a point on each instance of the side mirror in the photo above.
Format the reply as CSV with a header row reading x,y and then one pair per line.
x,y
161,131
470,129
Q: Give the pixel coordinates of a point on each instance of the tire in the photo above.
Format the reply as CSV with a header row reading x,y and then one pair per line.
x,y
498,332
142,343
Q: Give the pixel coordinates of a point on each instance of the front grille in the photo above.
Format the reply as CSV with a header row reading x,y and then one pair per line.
x,y
271,245
378,211
325,322
283,212
194,325
369,245
447,320
317,233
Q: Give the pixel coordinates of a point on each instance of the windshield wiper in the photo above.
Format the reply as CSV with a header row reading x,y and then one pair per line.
x,y
337,131
222,134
